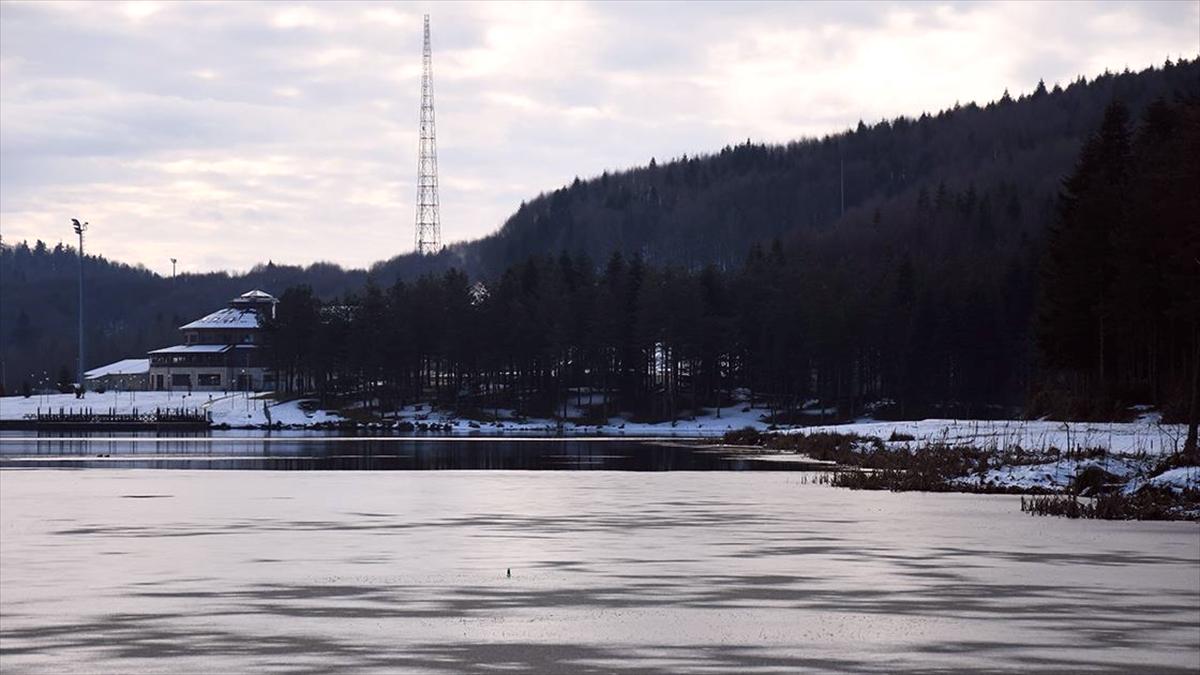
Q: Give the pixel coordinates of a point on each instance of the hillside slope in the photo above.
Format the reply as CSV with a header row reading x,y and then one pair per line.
x,y
954,190
693,211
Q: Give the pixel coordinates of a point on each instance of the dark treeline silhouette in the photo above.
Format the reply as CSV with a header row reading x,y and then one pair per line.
x,y
931,315
1119,317
813,327
709,209
925,285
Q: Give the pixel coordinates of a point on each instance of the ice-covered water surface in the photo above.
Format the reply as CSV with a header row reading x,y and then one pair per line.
x,y
310,451
215,571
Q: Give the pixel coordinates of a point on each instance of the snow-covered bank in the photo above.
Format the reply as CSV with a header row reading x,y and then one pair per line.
x,y
234,410
1009,455
239,410
1118,437
1132,473
708,425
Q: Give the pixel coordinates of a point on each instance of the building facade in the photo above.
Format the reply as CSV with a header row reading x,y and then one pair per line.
x,y
223,351
124,375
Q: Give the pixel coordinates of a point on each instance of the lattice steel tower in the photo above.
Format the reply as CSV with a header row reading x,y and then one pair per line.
x,y
429,228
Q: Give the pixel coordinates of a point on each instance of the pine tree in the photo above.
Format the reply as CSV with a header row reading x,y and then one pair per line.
x,y
1074,321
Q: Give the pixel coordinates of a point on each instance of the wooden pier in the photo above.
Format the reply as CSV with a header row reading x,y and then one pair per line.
x,y
89,419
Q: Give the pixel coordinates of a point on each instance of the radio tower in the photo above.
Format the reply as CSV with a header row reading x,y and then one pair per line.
x,y
429,229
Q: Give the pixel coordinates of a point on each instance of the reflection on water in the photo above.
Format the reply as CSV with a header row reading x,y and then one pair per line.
x,y
309,451
200,571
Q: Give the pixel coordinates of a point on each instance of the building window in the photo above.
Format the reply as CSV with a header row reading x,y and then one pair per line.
x,y
210,379
181,380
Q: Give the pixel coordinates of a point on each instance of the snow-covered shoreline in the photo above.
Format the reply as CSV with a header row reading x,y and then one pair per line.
x,y
233,410
1145,436
1031,456
250,411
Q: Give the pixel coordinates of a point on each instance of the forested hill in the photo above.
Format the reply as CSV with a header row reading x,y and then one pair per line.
x,y
933,196
1007,157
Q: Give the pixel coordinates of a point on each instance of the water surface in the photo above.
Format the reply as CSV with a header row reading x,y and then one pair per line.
x,y
291,450
136,571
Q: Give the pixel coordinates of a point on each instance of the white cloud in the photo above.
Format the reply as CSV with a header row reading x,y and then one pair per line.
x,y
297,17
139,10
228,134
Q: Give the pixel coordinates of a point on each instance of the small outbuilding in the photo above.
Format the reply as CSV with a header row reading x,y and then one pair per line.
x,y
123,375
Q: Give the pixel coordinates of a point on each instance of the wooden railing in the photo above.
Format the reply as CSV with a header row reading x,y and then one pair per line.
x,y
91,417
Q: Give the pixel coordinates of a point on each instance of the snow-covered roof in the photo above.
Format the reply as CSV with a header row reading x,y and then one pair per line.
x,y
193,349
254,298
230,317
122,367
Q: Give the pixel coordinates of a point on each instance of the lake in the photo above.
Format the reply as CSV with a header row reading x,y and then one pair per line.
x,y
316,450
126,570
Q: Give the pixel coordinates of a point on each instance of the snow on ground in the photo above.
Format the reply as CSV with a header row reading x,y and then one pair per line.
x,y
1177,479
1134,448
1053,475
239,410
1117,437
235,409
730,419
1184,477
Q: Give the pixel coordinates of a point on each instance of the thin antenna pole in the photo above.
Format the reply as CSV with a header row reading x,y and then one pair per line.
x,y
80,228
429,229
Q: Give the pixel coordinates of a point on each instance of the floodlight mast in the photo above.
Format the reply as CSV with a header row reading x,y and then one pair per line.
x,y
80,228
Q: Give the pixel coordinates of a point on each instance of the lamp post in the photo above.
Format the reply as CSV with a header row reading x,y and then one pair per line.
x,y
80,228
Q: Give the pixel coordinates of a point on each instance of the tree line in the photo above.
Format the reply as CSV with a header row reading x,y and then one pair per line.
x,y
944,310
1119,313
793,329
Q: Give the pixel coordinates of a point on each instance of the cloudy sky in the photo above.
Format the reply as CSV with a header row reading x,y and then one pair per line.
x,y
229,134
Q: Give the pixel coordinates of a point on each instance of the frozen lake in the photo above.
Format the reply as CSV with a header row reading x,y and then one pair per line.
x,y
136,571
316,450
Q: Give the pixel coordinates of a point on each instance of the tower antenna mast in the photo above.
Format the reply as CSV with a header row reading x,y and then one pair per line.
x,y
429,228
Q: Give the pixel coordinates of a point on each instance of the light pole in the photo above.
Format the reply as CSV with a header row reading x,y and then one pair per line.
x,y
80,228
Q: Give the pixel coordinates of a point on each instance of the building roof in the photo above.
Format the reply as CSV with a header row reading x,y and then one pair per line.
x,y
254,298
230,317
122,367
193,349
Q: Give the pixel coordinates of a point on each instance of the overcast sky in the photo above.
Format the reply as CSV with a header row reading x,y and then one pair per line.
x,y
229,134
